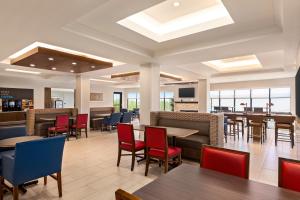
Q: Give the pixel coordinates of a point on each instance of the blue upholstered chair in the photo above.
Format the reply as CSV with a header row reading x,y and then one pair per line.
x,y
112,121
127,117
123,110
32,160
136,113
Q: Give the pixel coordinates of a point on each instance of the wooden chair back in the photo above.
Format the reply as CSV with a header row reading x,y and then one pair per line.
x,y
123,195
256,118
284,119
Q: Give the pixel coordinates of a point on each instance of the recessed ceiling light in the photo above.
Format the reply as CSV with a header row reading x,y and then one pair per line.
x,y
53,68
32,65
176,4
72,71
93,67
51,59
22,71
74,63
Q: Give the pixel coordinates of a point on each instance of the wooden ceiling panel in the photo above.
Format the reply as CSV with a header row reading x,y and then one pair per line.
x,y
62,61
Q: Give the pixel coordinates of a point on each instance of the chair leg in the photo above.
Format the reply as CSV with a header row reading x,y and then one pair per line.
x,y
15,192
248,132
1,187
86,135
276,135
147,165
132,161
119,156
166,166
59,184
76,133
243,127
45,180
179,159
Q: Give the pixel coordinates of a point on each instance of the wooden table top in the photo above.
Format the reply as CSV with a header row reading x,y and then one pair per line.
x,y
11,142
188,182
171,131
102,115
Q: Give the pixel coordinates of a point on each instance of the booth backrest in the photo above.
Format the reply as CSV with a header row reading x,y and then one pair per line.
x,y
12,131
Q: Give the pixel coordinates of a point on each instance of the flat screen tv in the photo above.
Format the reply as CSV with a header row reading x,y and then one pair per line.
x,y
186,92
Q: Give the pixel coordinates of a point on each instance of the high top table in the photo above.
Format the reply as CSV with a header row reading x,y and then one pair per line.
x,y
188,182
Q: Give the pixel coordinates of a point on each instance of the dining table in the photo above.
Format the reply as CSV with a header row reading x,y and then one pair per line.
x,y
190,182
171,131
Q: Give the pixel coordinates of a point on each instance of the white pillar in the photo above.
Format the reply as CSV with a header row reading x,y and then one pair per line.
x,y
83,95
149,91
203,95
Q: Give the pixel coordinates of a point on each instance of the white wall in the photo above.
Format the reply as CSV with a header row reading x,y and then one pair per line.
x,y
36,83
66,96
272,83
107,95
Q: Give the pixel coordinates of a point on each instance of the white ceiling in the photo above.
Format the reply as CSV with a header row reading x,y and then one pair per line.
x,y
269,29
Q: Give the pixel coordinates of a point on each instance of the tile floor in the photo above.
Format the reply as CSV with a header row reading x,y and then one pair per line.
x,y
90,171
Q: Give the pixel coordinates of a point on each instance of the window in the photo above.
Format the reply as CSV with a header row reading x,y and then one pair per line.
x,y
260,98
167,101
133,100
255,98
214,100
242,97
281,99
227,99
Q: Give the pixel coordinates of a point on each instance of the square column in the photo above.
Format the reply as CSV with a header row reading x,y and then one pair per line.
x,y
82,96
149,91
203,95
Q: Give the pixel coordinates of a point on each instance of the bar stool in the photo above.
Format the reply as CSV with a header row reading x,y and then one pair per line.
x,y
234,125
256,121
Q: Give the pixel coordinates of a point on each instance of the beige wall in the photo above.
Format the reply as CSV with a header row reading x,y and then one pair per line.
x,y
272,83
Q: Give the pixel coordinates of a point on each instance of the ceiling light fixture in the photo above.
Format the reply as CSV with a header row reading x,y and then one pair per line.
x,y
51,59
22,71
32,65
72,71
93,67
176,4
53,68
74,63
101,80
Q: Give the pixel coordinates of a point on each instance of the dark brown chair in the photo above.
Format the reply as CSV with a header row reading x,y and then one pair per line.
x,y
236,124
256,122
285,123
123,195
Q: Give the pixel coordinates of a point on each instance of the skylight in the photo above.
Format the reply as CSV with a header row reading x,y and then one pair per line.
x,y
165,22
241,63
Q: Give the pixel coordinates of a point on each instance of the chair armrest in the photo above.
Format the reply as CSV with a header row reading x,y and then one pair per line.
x,y
8,163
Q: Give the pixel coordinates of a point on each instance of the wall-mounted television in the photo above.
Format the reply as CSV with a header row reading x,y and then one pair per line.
x,y
186,92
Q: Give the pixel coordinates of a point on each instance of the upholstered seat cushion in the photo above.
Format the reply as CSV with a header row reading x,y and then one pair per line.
x,y
290,175
172,152
193,141
58,129
139,145
284,126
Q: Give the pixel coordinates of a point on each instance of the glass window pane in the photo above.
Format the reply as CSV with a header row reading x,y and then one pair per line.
x,y
242,93
131,95
169,105
260,93
280,92
161,104
227,93
238,102
281,105
227,103
131,104
162,95
260,103
169,95
138,95
214,103
214,94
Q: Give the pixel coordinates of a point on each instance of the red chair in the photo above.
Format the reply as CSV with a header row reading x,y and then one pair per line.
x,y
61,125
81,123
128,143
227,161
123,195
289,174
157,148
